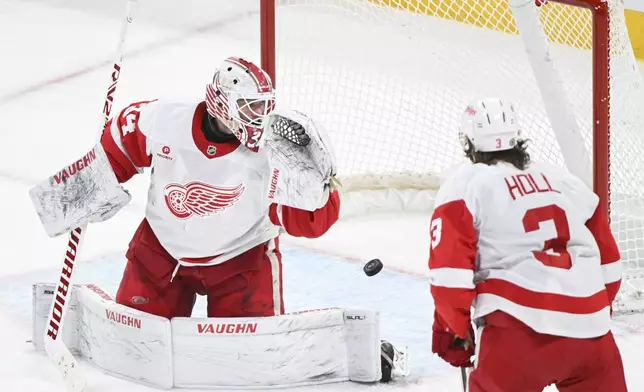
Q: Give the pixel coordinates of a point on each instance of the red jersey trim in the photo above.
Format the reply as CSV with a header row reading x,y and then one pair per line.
x,y
274,214
209,149
453,238
308,224
453,305
122,167
133,140
600,228
544,301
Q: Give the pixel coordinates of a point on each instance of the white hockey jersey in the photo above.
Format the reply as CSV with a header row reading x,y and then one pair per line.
x,y
531,243
207,202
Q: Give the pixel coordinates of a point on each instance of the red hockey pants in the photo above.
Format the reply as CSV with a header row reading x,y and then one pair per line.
x,y
249,285
514,358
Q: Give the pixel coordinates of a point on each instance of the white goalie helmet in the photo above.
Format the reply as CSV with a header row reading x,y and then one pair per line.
x,y
241,96
490,125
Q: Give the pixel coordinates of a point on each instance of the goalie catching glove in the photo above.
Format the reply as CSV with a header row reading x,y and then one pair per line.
x,y
301,155
85,191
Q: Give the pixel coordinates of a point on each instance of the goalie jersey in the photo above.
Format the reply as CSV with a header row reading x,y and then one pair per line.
x,y
533,244
207,202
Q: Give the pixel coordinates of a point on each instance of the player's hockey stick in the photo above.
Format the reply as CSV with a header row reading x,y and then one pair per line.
x,y
57,352
465,371
464,378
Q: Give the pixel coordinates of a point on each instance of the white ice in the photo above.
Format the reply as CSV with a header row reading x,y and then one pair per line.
x,y
54,68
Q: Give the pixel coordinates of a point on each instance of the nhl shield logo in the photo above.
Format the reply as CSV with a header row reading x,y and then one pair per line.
x,y
212,150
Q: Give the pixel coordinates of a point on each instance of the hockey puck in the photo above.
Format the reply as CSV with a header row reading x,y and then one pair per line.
x,y
372,267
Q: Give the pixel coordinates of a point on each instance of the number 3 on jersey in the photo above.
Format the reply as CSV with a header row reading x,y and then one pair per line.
x,y
435,232
554,253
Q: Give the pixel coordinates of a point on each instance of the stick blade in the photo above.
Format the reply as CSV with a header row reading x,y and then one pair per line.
x,y
62,358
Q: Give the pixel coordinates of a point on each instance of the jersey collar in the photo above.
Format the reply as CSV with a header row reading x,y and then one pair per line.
x,y
209,149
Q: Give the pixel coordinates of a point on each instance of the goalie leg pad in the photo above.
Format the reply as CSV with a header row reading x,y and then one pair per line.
x,y
122,341
363,345
306,348
42,296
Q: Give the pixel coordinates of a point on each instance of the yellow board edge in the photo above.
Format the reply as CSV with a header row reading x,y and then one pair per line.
x,y
495,14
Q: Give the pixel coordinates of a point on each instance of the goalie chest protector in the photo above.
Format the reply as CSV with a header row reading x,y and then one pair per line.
x,y
205,199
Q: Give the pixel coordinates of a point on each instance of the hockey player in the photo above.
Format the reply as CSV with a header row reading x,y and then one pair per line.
x,y
529,248
227,175
211,223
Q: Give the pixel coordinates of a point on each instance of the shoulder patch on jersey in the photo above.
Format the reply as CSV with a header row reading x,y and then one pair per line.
x,y
164,152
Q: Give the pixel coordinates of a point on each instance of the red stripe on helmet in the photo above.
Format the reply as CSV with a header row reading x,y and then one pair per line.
x,y
261,79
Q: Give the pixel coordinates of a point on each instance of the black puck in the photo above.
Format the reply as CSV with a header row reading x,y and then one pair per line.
x,y
372,267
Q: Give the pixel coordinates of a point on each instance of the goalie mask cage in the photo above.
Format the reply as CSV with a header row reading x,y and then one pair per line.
x,y
390,78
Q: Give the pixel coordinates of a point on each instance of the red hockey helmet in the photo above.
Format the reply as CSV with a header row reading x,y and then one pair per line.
x,y
241,96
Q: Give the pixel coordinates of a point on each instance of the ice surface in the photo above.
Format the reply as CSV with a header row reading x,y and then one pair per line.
x,y
54,68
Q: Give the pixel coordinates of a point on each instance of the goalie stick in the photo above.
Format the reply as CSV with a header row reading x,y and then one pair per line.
x,y
57,352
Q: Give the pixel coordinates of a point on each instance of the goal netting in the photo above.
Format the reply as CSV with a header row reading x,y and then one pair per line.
x,y
389,78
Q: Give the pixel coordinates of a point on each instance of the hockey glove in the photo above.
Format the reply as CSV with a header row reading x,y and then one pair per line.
x,y
301,155
449,347
85,191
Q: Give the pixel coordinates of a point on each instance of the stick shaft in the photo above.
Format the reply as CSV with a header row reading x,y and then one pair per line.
x,y
56,349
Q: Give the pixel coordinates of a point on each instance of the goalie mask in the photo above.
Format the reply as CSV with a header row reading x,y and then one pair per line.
x,y
489,125
241,96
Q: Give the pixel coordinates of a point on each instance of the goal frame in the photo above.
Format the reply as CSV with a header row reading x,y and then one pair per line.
x,y
600,88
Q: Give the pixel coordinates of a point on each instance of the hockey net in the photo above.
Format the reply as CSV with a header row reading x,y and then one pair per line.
x,y
389,78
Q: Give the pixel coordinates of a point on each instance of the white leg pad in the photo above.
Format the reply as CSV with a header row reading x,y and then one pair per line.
x,y
123,341
42,297
304,348
363,345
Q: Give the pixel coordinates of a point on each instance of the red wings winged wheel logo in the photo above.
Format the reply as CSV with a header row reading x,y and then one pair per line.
x,y
200,199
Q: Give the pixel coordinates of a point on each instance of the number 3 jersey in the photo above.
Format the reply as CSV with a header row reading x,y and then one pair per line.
x,y
532,243
207,202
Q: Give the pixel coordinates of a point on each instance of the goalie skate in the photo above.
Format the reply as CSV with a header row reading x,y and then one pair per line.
x,y
393,361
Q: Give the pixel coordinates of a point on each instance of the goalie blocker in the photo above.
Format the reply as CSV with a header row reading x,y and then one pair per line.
x,y
303,348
